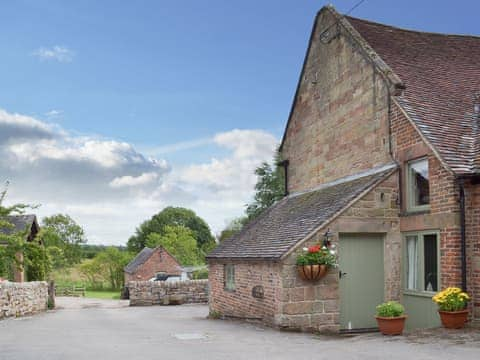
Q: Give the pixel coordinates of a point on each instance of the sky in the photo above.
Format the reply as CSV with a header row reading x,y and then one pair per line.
x,y
112,110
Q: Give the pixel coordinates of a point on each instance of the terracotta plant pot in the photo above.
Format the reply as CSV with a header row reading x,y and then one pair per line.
x,y
391,325
312,272
453,319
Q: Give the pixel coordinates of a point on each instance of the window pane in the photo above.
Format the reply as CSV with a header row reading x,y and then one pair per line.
x,y
430,260
412,263
229,273
419,182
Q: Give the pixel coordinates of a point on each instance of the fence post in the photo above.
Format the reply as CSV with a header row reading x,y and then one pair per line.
x,y
51,294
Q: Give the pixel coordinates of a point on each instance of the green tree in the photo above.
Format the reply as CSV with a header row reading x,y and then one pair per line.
x,y
173,216
269,188
64,233
178,241
91,270
112,262
35,259
232,228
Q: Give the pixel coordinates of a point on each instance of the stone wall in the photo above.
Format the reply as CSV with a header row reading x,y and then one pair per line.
x,y
159,261
338,125
19,299
315,306
241,303
144,293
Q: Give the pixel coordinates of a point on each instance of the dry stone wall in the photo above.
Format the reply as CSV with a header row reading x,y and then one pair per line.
x,y
19,299
147,293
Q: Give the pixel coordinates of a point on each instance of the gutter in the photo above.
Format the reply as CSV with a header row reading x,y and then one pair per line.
x,y
463,240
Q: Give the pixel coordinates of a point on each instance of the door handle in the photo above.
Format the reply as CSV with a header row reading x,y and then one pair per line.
x,y
341,274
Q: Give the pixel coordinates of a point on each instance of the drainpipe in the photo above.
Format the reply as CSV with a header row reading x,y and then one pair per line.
x,y
463,241
284,164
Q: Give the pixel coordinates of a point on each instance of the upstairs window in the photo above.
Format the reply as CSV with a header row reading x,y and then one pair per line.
x,y
418,186
229,276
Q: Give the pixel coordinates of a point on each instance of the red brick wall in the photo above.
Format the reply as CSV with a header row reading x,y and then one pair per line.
x,y
473,245
159,261
444,201
339,122
240,303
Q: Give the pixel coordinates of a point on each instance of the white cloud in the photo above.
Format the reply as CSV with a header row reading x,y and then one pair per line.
x,y
54,53
54,113
123,181
110,188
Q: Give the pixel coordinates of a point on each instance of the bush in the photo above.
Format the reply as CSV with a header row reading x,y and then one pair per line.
x,y
390,309
316,255
200,274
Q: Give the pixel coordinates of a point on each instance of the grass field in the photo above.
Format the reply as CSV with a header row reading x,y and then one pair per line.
x,y
113,295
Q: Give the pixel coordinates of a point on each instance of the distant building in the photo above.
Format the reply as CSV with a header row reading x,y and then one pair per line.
x,y
149,262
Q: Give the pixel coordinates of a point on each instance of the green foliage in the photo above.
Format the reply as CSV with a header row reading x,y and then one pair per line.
x,y
180,242
172,216
232,228
269,188
315,255
89,251
106,267
37,261
63,232
200,274
390,309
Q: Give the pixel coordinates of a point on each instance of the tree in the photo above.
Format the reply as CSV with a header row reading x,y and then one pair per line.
x,y
269,188
180,242
64,233
112,262
232,228
173,216
35,258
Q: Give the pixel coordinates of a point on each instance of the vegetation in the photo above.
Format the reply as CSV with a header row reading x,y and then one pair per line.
x,y
390,309
113,295
200,274
316,255
451,299
269,188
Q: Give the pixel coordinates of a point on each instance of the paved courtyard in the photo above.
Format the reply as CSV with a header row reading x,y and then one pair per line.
x,y
103,329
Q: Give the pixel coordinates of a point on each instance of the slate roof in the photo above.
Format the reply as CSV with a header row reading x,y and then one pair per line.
x,y
139,260
296,216
441,75
20,223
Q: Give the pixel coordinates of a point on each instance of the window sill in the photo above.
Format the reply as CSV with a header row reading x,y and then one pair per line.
x,y
414,212
418,293
229,290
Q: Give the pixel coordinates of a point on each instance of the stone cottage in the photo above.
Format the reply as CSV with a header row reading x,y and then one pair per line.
x,y
149,262
382,152
21,223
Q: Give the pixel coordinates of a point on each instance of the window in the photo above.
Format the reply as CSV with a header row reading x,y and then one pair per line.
x,y
229,276
418,187
421,262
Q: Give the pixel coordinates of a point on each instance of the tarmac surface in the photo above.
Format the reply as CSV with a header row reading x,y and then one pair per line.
x,y
107,329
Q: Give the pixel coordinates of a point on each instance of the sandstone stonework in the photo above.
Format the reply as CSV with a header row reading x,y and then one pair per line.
x,y
20,299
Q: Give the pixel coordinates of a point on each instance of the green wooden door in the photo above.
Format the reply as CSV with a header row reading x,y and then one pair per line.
x,y
362,279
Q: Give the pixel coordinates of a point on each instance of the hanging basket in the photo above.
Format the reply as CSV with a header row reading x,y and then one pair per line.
x,y
312,272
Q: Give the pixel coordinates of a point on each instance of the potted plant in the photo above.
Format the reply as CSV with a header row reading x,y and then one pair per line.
x,y
391,318
452,303
314,261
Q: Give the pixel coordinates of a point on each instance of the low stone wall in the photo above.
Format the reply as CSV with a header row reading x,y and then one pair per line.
x,y
145,293
19,299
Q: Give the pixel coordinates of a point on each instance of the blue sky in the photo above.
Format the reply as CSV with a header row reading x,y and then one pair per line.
x,y
169,78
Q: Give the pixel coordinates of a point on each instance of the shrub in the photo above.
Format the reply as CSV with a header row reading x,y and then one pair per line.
x,y
200,274
390,309
451,299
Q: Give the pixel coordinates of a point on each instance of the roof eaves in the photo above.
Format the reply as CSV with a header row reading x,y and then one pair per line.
x,y
340,211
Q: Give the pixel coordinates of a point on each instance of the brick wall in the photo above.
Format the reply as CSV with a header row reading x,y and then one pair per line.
x,y
473,245
145,293
316,306
159,261
240,303
338,126
19,299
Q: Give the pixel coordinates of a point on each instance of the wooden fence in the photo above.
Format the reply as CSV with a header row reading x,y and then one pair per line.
x,y
70,290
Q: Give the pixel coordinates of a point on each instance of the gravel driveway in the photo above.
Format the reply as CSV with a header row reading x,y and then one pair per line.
x,y
104,329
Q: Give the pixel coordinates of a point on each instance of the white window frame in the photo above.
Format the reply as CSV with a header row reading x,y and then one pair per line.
x,y
420,264
410,187
229,277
